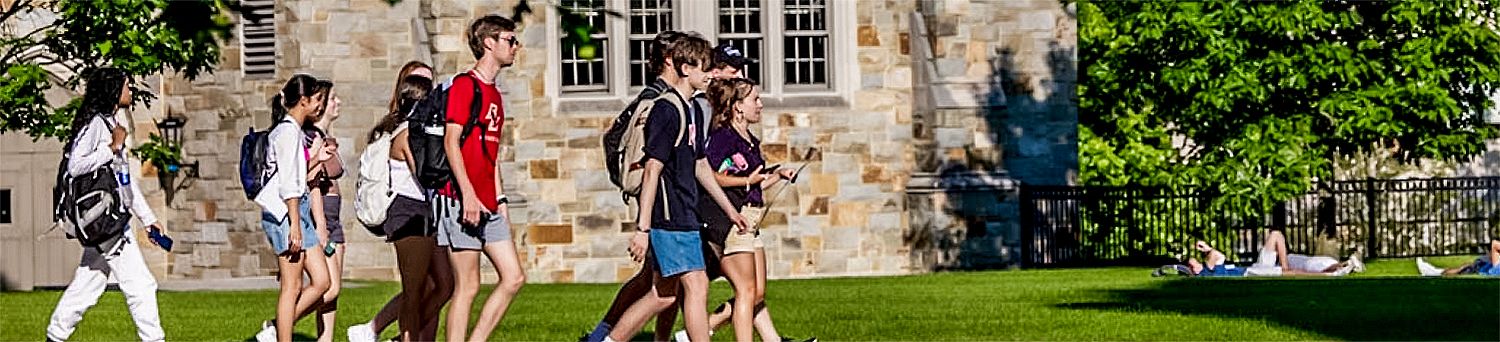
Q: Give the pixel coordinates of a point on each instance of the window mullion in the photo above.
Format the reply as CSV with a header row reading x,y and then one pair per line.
x,y
773,63
617,61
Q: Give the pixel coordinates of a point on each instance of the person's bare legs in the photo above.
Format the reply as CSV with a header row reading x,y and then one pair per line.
x,y
763,322
440,289
502,254
328,311
317,270
740,269
413,256
666,320
694,304
289,267
636,315
465,288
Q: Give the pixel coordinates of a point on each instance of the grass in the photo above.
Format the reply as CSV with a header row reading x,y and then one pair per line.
x,y
1386,303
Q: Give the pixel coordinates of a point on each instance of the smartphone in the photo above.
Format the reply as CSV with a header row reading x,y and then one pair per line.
x,y
160,239
330,248
770,169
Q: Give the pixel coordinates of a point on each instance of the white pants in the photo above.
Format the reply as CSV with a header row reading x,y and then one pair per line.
x,y
128,267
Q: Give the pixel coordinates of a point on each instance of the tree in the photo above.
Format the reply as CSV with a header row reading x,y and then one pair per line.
x,y
43,40
1254,100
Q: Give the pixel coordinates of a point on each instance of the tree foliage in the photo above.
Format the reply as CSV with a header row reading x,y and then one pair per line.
x,y
43,40
1255,100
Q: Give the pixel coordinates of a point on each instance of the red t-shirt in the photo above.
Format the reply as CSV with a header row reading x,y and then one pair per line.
x,y
479,165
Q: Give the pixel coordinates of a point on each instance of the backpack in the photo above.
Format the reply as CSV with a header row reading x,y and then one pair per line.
x,y
256,167
617,130
373,193
631,147
89,206
428,122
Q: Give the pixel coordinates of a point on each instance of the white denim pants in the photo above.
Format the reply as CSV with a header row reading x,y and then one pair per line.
x,y
127,266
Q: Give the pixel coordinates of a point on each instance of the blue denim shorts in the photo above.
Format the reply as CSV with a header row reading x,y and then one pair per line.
x,y
676,252
278,229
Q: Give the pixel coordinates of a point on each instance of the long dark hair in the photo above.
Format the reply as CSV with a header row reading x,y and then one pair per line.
x,y
300,86
406,70
723,95
411,91
101,97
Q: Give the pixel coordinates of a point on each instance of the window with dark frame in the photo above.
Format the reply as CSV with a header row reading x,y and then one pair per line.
x,y
581,74
647,18
5,208
740,25
805,42
796,33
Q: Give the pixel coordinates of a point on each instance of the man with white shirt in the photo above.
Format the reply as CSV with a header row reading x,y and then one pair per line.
x,y
98,141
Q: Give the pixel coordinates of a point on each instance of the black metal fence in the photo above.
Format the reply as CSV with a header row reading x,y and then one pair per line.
x,y
1078,226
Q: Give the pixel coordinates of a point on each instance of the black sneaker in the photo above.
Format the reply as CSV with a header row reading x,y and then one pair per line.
x,y
793,339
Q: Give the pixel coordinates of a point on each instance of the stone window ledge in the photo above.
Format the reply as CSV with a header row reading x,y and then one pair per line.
x,y
608,104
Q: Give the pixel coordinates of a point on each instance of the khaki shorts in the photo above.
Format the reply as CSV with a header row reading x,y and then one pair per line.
x,y
749,241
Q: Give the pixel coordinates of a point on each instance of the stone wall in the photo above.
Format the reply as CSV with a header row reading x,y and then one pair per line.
x,y
996,109
848,215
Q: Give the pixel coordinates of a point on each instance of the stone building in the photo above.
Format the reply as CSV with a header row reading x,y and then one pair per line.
x,y
908,107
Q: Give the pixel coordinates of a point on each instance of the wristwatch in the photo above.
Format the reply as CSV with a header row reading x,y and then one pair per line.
x,y
502,199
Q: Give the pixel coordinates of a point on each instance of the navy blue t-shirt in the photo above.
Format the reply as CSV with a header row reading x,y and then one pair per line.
x,y
677,191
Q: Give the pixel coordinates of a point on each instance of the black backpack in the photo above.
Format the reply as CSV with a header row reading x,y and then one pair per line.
x,y
428,122
89,206
256,168
616,132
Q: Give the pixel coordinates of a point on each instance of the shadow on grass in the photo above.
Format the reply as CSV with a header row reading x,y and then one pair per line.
x,y
1346,309
295,337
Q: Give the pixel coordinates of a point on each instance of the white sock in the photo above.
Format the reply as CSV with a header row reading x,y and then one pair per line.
x,y
681,336
607,339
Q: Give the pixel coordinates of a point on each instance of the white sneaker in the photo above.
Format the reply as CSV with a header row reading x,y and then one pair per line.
x,y
1343,271
681,336
1357,261
267,332
364,332
1428,270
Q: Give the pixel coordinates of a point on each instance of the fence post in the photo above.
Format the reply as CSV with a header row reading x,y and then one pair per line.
x,y
1371,217
1028,227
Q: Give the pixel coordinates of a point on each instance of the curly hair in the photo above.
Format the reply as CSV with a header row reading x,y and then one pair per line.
x,y
723,94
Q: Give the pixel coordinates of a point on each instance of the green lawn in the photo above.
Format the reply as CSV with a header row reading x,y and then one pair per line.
x,y
1385,303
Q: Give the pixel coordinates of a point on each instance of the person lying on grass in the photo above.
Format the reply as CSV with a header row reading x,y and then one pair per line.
x,y
1274,260
1485,265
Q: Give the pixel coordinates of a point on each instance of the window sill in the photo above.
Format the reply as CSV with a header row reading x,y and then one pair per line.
x,y
600,103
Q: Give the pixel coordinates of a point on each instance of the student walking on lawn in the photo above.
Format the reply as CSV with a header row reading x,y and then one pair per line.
x,y
401,228
473,216
96,147
322,174
286,214
674,172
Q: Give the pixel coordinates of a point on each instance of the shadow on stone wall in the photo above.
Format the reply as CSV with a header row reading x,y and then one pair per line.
x,y
966,215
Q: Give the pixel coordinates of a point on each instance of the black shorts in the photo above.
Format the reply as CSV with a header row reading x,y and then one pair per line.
x,y
407,218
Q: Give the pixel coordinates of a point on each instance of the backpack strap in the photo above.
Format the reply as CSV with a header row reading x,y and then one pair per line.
x,y
474,105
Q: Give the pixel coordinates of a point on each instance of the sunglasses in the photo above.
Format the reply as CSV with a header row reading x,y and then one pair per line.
x,y
512,40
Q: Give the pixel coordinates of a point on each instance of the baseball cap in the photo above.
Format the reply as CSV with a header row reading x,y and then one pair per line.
x,y
728,54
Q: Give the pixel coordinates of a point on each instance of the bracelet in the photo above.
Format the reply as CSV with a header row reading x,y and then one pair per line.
x,y
502,199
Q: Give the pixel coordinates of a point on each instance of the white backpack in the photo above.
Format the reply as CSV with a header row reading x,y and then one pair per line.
x,y
373,194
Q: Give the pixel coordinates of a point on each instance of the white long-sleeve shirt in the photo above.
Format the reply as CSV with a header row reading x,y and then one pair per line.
x,y
289,160
91,151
